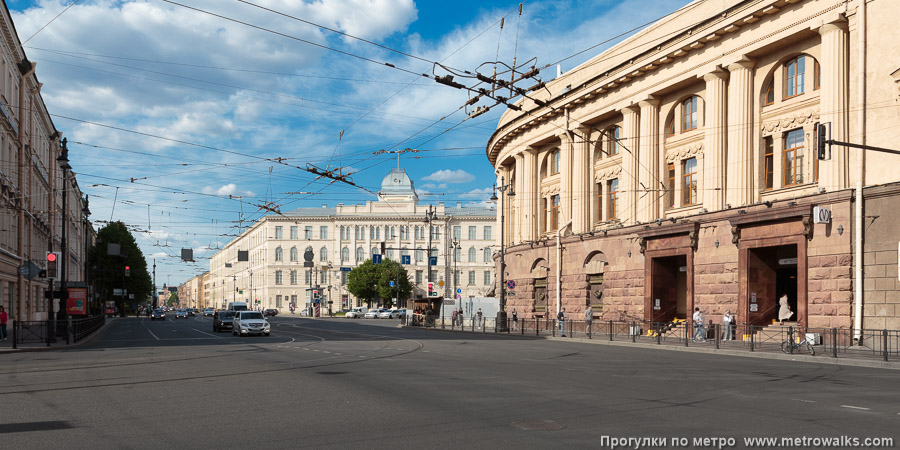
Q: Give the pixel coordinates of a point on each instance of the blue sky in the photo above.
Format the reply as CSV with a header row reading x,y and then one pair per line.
x,y
170,110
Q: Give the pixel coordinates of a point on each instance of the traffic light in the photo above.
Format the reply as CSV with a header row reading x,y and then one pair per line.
x,y
821,132
316,294
430,289
127,271
52,261
383,247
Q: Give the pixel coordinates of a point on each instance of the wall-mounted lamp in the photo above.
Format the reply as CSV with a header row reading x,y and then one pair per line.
x,y
717,243
840,230
629,253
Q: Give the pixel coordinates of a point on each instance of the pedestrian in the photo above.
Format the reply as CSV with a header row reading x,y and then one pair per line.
x,y
588,317
698,325
726,322
784,310
561,321
455,316
480,316
515,319
3,319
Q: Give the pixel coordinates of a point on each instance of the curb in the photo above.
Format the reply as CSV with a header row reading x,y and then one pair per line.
x,y
892,365
78,344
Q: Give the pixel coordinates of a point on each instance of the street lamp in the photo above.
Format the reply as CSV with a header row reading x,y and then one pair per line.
x,y
63,161
454,246
430,216
501,314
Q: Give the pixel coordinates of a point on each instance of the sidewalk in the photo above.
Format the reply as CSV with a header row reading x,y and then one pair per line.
x,y
6,346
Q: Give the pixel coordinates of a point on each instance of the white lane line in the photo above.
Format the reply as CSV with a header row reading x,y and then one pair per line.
x,y
854,407
203,332
805,401
151,333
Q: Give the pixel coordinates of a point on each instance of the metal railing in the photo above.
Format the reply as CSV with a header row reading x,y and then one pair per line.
x,y
82,328
39,331
826,342
31,332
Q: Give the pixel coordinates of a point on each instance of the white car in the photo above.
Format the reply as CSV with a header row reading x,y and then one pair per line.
x,y
209,312
389,314
373,314
250,322
357,312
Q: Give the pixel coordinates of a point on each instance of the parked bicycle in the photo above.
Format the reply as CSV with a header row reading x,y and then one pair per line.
x,y
788,343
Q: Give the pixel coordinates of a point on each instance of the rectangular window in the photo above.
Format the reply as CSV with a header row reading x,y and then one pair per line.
x,y
456,278
768,163
294,234
457,232
487,277
307,232
689,186
670,195
487,233
457,254
277,277
323,232
473,233
793,157
689,111
817,76
612,144
471,277
815,159
343,278
418,277
279,232
612,195
554,212
293,277
278,301
793,76
554,162
487,254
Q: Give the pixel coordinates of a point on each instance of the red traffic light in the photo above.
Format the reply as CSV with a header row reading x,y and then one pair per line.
x,y
51,257
127,268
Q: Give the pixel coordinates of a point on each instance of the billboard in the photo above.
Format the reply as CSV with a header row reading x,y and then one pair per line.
x,y
76,303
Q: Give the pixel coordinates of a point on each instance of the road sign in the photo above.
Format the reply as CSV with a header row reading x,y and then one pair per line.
x,y
345,269
459,290
432,260
376,259
405,259
511,284
392,283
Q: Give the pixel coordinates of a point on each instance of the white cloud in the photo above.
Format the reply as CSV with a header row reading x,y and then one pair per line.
x,y
226,190
484,193
450,176
432,186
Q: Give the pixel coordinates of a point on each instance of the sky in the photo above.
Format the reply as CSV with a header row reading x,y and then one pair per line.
x,y
184,118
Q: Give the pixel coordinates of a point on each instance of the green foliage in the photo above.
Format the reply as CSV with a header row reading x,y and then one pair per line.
x,y
109,270
373,281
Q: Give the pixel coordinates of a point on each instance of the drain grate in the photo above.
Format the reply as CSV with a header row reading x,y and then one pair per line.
x,y
538,425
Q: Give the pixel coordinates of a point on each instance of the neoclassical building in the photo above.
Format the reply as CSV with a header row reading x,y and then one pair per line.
x,y
462,238
680,170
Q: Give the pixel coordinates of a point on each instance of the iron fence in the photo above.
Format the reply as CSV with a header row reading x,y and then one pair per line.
x,y
82,328
31,332
822,342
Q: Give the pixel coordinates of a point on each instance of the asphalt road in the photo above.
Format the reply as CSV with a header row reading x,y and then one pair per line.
x,y
346,383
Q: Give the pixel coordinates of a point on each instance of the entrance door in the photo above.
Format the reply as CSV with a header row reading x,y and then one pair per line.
x,y
771,273
669,284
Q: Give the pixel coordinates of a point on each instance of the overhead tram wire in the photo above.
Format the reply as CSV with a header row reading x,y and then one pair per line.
x,y
51,21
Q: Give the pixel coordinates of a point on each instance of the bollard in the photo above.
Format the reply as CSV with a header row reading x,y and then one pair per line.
x,y
791,339
14,324
610,330
716,337
632,333
885,344
686,332
658,334
750,329
834,342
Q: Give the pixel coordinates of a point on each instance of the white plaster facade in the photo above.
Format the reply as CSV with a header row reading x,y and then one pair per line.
x,y
347,235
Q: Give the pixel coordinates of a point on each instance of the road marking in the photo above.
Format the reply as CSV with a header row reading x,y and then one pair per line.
x,y
151,333
805,401
219,337
854,407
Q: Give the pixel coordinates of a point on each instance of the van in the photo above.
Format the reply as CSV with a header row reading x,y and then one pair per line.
x,y
357,312
237,306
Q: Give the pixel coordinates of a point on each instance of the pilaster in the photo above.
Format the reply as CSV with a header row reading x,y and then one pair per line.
x,y
740,186
565,177
715,141
581,181
835,101
530,193
630,159
519,199
649,162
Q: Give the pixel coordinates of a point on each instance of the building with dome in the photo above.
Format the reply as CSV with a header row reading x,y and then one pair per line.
x,y
344,236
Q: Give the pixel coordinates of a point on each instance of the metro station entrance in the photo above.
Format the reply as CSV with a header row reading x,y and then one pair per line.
x,y
669,288
771,274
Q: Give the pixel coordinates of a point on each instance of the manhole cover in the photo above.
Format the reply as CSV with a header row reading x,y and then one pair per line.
x,y
538,425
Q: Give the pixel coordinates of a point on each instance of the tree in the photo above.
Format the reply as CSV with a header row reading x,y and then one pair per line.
x,y
373,281
110,272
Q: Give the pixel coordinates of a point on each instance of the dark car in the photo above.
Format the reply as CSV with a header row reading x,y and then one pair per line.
x,y
158,314
271,312
223,320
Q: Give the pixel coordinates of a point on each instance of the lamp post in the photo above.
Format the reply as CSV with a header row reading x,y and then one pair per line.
x,y
63,161
454,246
501,314
430,216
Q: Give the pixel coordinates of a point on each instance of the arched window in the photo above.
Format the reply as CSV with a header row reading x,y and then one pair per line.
x,y
487,254
554,162
670,127
323,254
294,254
689,113
794,75
360,253
472,254
345,254
770,92
613,134
279,254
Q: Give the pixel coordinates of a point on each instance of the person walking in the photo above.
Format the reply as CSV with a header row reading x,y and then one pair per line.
x,y
480,316
454,317
726,323
699,332
3,319
588,317
784,310
561,321
515,317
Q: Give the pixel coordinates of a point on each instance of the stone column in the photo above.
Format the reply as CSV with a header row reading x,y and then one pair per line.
x,y
740,186
529,193
648,201
581,186
834,102
628,181
565,177
519,198
714,142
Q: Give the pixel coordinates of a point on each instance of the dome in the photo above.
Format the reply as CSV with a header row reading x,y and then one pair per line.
x,y
397,186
